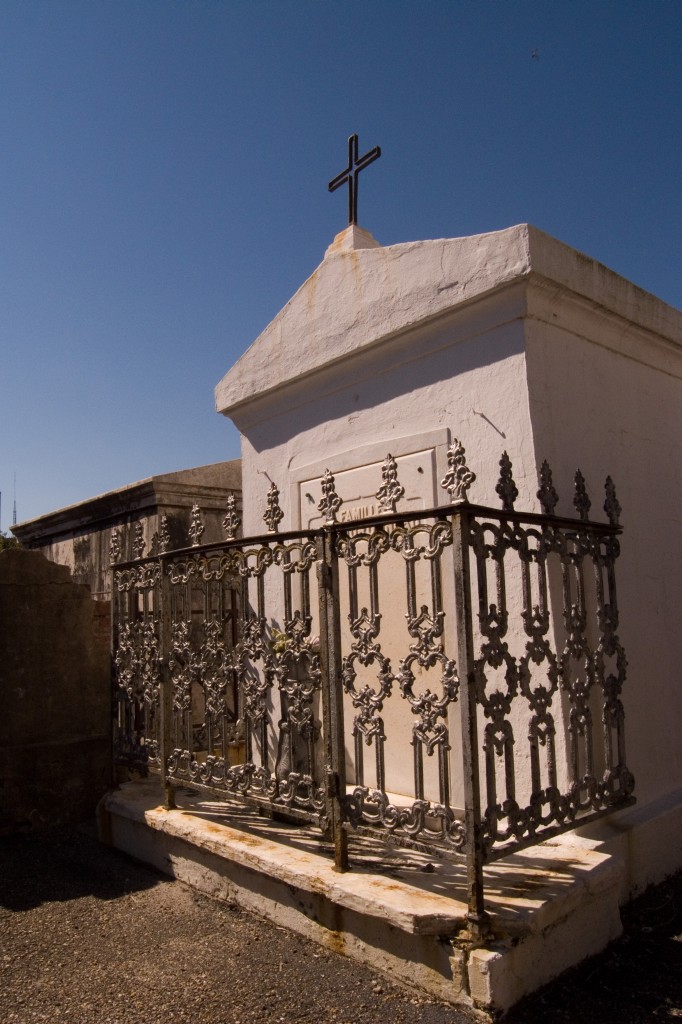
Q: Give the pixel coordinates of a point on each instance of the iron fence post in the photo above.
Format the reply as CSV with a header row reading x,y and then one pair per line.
x,y
165,689
332,693
477,916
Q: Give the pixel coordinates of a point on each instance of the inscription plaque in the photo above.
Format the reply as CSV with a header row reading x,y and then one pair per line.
x,y
357,487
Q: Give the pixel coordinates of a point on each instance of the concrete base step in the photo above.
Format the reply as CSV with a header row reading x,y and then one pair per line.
x,y
399,911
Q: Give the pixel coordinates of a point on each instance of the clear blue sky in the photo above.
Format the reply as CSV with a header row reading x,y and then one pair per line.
x,y
164,169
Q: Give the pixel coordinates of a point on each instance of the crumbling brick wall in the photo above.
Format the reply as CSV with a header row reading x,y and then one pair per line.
x,y
55,732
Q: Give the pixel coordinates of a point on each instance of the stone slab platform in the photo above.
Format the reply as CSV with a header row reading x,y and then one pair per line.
x,y
402,913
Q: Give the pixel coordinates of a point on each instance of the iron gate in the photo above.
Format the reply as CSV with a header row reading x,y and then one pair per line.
x,y
449,679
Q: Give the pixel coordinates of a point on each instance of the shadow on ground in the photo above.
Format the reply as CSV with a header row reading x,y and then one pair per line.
x,y
63,864
636,980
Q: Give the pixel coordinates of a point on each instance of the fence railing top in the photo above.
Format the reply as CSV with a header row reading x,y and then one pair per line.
x,y
439,512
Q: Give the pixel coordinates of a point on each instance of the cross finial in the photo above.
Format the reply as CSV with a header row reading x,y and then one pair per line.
x,y
350,175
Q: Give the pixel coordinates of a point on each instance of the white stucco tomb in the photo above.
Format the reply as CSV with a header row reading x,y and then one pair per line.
x,y
508,341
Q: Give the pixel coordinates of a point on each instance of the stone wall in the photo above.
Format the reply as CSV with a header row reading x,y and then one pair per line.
x,y
55,731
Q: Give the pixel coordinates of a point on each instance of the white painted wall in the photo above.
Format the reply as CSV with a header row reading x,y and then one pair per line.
x,y
595,406
466,377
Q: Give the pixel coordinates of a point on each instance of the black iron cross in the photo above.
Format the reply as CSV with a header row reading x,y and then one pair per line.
x,y
350,175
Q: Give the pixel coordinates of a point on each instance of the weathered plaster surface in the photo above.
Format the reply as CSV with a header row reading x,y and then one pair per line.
x,y
466,377
606,396
356,298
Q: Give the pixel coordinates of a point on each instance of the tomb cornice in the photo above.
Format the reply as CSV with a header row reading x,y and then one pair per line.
x,y
643,332
453,327
162,491
571,273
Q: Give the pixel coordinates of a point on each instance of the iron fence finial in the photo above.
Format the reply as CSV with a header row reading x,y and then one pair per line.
x,y
273,514
506,488
459,477
330,502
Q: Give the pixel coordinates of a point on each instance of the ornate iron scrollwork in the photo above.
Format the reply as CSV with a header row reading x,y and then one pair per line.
x,y
430,729
164,535
139,542
115,546
298,673
368,701
252,690
181,668
255,686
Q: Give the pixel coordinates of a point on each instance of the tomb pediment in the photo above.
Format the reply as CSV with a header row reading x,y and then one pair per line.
x,y
363,293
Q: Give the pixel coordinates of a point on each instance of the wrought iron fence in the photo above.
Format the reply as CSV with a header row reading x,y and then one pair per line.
x,y
447,679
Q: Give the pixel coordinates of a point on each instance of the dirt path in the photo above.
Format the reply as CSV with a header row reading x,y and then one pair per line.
x,y
88,936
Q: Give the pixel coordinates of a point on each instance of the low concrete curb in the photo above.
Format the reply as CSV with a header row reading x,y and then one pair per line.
x,y
550,907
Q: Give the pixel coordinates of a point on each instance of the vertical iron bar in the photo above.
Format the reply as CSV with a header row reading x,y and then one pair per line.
x,y
360,760
444,776
262,734
332,692
477,916
418,757
116,703
352,615
165,690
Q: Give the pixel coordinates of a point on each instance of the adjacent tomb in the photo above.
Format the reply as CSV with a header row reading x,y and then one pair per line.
x,y
80,536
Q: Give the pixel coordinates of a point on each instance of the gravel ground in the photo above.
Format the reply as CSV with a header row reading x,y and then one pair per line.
x,y
89,936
